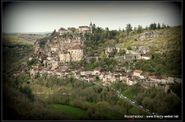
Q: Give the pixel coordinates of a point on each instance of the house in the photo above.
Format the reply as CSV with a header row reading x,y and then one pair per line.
x,y
33,72
73,53
129,57
155,79
134,48
76,52
137,73
84,29
148,35
119,58
132,55
109,50
101,76
118,47
170,80
145,57
62,31
129,82
56,73
143,50
163,81
65,57
90,58
109,78
54,49
30,59
96,72
177,80
85,73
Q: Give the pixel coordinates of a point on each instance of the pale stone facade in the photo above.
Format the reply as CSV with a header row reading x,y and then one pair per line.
x,y
137,73
65,57
84,29
76,54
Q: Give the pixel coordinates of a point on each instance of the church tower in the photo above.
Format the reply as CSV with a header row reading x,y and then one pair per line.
x,y
90,27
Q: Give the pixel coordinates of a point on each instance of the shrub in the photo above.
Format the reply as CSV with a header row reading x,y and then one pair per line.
x,y
28,92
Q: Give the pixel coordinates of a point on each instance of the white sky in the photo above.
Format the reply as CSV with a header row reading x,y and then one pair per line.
x,y
47,16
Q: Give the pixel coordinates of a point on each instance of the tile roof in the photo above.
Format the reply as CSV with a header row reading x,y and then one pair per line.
x,y
77,46
138,71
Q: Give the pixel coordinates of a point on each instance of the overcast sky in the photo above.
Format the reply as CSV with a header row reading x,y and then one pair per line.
x,y
47,16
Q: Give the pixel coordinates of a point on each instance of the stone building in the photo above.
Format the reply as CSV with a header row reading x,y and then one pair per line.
x,y
148,35
65,57
76,53
137,73
84,29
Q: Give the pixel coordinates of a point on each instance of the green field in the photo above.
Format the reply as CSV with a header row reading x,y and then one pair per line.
x,y
74,112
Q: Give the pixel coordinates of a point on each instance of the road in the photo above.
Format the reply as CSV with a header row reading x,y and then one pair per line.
x,y
132,102
121,96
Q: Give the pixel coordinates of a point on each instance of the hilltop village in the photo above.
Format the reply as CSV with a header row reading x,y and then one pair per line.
x,y
64,46
94,71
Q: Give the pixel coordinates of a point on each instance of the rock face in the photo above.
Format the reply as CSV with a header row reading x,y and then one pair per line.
x,y
59,48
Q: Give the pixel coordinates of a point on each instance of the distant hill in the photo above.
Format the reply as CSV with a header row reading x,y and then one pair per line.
x,y
29,36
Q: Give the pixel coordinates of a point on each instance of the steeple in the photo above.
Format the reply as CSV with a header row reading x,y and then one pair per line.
x,y
90,26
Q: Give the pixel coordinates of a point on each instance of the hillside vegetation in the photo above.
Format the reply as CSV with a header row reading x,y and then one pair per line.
x,y
68,98
165,49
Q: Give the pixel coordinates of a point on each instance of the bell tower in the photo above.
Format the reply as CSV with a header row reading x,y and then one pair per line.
x,y
90,27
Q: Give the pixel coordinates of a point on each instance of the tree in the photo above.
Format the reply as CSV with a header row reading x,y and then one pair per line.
x,y
158,26
28,92
135,29
146,28
128,28
53,33
163,26
122,52
139,29
168,26
107,33
93,28
102,55
113,34
153,26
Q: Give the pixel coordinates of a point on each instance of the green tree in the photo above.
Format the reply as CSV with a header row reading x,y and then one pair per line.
x,y
128,28
153,26
28,92
139,29
158,26
163,26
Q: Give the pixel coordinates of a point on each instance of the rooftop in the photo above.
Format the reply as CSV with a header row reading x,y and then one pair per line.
x,y
138,71
75,47
62,29
83,26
